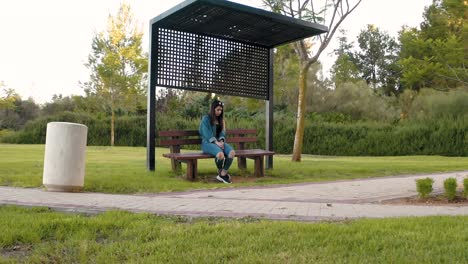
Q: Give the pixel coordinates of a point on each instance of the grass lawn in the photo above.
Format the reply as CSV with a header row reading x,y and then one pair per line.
x,y
123,169
38,235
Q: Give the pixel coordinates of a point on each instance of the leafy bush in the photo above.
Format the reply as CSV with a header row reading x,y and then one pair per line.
x,y
98,129
431,104
465,187
342,138
450,186
4,133
424,187
358,101
381,139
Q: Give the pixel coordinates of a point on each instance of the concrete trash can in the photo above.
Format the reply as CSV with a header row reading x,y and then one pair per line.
x,y
64,160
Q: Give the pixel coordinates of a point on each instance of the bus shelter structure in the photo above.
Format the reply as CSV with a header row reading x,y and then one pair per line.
x,y
220,47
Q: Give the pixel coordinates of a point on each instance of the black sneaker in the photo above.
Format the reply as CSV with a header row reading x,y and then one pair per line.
x,y
219,173
224,179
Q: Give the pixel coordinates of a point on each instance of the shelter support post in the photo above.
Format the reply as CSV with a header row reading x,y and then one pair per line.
x,y
269,112
151,106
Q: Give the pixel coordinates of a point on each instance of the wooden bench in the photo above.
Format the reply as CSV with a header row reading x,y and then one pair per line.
x,y
237,138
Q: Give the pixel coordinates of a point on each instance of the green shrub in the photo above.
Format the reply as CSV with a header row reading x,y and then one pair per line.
x,y
424,187
448,138
450,186
432,104
6,133
465,187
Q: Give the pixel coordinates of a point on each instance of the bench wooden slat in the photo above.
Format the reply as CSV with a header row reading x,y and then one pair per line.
x,y
197,141
241,139
182,133
172,142
253,152
187,156
178,133
241,131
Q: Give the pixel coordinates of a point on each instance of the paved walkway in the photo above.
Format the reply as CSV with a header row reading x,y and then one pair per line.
x,y
306,202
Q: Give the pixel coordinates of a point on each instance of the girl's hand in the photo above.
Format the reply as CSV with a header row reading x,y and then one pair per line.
x,y
220,144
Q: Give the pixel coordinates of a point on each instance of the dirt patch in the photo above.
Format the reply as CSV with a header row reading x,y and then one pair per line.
x,y
234,179
16,252
241,179
438,200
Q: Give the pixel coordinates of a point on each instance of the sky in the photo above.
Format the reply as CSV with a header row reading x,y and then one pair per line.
x,y
45,44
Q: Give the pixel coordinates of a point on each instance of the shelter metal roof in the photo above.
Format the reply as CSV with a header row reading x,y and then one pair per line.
x,y
236,22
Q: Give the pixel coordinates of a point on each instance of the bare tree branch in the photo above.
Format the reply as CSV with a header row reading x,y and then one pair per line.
x,y
314,17
453,79
330,34
299,11
341,8
303,6
290,8
335,10
313,11
457,77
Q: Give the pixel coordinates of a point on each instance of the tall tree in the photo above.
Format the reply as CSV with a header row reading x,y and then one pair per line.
x,y
8,116
344,69
377,59
27,110
8,97
118,65
332,14
436,55
58,104
15,112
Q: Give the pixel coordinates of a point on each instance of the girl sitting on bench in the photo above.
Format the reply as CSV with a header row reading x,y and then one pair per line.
x,y
212,130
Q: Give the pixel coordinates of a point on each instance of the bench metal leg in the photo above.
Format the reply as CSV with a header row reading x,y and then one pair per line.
x,y
176,167
192,171
259,166
241,163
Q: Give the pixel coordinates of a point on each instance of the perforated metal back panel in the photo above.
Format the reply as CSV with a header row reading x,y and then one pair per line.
x,y
203,63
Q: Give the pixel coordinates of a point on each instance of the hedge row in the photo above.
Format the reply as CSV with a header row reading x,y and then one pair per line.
x,y
447,138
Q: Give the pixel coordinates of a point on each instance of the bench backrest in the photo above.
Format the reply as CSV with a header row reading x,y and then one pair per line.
x,y
176,138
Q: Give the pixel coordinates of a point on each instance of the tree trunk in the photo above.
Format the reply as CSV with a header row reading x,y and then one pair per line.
x,y
300,119
112,127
